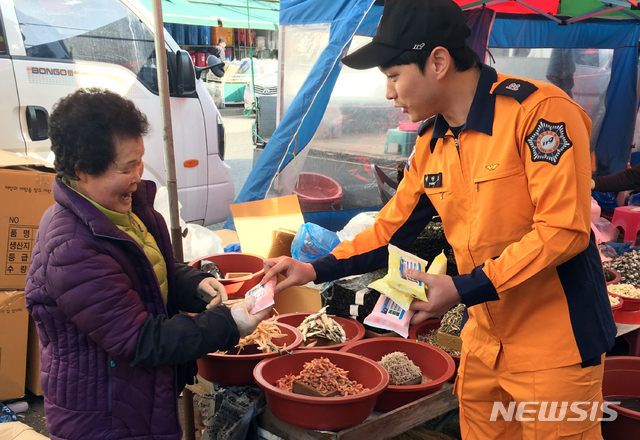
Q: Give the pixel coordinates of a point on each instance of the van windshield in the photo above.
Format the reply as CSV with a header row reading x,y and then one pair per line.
x,y
92,30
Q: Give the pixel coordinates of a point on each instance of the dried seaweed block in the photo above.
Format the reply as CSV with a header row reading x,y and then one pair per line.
x,y
341,295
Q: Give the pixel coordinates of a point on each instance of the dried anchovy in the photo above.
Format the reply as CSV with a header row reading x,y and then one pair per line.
x,y
452,320
211,268
401,369
628,266
431,338
321,325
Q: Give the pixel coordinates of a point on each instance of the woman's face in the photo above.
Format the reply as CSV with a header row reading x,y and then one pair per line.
x,y
113,188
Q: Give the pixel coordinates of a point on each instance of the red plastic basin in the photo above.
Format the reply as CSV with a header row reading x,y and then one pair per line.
x,y
614,277
352,328
434,363
621,381
426,327
317,192
322,413
236,262
237,369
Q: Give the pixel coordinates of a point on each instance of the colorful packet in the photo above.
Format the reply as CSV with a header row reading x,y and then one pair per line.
x,y
263,295
399,261
387,314
382,285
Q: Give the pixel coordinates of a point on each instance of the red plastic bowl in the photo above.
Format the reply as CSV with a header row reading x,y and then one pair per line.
x,y
317,192
434,363
237,369
352,328
628,304
619,306
322,413
425,327
621,381
236,262
615,277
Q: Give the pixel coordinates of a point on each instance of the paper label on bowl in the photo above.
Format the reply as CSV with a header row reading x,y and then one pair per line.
x,y
263,295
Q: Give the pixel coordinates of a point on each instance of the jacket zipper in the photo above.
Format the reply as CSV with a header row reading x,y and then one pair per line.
x,y
457,143
110,365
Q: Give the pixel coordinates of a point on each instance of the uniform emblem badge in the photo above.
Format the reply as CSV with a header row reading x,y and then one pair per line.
x,y
548,141
492,166
513,86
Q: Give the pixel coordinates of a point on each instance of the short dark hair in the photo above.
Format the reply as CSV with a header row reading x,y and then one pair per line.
x,y
221,40
463,59
85,126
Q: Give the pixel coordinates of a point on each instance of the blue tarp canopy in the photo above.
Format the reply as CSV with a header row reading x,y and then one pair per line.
x,y
347,18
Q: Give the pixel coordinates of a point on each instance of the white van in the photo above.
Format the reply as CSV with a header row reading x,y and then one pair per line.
x,y
49,48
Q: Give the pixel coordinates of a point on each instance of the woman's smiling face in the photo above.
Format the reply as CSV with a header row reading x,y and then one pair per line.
x,y
113,188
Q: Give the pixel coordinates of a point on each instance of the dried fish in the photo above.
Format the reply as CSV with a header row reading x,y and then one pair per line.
x,y
452,320
322,326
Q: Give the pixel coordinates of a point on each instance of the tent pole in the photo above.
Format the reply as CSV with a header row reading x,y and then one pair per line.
x,y
172,188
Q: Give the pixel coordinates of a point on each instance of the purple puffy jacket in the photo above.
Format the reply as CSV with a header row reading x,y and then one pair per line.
x,y
112,355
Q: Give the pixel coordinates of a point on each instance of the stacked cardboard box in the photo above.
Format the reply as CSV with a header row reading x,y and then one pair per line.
x,y
25,191
220,32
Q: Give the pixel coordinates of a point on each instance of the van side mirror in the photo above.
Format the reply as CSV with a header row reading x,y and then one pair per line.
x,y
185,74
215,64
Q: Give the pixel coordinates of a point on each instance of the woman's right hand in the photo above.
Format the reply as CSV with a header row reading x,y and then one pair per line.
x,y
297,272
246,322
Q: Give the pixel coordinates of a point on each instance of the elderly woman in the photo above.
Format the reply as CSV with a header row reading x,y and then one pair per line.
x,y
105,291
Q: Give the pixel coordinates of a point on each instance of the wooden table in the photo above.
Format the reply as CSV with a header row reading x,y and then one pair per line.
x,y
377,425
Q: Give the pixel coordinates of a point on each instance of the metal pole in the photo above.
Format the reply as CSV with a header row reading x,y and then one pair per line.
x,y
172,187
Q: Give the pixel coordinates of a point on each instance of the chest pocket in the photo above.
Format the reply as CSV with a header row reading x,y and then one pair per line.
x,y
502,200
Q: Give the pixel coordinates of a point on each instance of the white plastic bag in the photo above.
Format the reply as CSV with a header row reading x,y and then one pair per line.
x,y
198,241
357,224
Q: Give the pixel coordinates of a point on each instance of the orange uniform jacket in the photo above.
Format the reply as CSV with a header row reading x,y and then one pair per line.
x,y
513,195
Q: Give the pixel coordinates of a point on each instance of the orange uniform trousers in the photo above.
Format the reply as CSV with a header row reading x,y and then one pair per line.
x,y
479,387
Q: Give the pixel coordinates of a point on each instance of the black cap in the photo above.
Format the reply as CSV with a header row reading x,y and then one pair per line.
x,y
412,25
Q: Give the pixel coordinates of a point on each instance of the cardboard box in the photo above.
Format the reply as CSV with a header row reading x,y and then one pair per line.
x,y
263,226
227,236
25,191
266,228
33,360
450,341
14,323
19,431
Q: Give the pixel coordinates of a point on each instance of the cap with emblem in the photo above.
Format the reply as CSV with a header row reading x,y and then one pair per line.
x,y
409,25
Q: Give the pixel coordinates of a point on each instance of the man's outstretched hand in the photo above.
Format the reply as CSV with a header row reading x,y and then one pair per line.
x,y
296,272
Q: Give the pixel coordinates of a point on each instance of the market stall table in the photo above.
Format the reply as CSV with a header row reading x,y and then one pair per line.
x,y
377,425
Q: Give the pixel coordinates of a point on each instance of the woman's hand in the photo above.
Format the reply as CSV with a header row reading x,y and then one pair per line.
x,y
297,273
441,292
247,323
212,288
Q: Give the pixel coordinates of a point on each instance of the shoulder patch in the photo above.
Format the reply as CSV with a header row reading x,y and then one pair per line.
x,y
516,88
424,125
548,141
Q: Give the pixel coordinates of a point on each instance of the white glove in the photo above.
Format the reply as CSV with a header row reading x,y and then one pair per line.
x,y
247,323
213,291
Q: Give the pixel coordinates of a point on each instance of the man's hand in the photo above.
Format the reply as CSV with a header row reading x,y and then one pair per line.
x,y
213,289
441,292
297,273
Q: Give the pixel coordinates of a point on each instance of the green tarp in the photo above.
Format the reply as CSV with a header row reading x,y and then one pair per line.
x,y
228,13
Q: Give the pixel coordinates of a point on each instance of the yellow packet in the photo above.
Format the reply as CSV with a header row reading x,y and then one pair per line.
x,y
399,261
403,299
